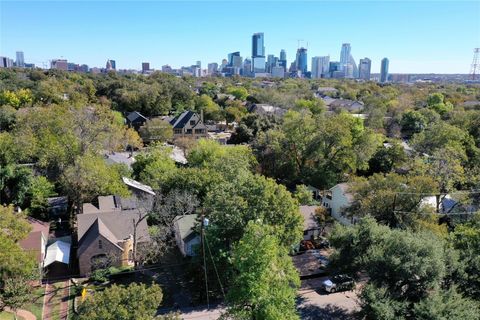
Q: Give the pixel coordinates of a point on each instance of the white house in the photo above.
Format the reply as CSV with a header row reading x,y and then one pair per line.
x,y
336,200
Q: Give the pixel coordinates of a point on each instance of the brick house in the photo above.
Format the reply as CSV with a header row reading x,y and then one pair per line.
x,y
105,235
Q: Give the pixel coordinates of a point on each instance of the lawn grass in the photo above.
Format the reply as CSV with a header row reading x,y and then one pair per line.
x,y
36,307
9,316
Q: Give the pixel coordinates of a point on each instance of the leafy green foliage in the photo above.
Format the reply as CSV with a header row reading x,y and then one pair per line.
x,y
89,177
391,199
407,271
264,287
303,195
135,302
17,267
156,130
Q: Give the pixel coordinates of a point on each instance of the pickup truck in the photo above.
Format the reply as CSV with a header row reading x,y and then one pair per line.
x,y
338,283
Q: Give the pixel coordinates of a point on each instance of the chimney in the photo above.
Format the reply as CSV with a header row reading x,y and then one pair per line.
x,y
201,116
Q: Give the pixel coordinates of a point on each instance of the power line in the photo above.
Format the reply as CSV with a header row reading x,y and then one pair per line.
x,y
215,267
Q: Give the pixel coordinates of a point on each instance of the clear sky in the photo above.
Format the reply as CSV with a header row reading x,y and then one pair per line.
x,y
416,36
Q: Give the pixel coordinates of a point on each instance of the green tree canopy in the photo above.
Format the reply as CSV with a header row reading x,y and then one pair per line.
x,y
266,281
135,302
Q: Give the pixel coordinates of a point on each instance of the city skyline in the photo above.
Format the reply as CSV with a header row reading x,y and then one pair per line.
x,y
184,47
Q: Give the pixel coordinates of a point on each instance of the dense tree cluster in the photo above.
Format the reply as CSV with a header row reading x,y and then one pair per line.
x,y
409,141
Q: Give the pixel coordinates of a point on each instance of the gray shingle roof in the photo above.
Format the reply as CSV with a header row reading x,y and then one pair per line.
x,y
115,226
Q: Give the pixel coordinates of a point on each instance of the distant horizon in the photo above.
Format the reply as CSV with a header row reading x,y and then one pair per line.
x,y
417,37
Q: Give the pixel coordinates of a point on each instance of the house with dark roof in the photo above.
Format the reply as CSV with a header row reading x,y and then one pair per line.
x,y
189,125
36,240
135,120
106,235
186,236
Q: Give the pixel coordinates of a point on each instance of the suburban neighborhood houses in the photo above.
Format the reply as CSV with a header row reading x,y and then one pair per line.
x,y
195,198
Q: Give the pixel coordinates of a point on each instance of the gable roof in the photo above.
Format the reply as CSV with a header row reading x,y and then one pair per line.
x,y
185,225
59,251
134,115
181,120
33,241
114,226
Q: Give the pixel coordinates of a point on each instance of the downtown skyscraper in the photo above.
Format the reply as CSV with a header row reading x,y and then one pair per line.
x,y
364,68
384,70
320,67
347,63
258,53
301,61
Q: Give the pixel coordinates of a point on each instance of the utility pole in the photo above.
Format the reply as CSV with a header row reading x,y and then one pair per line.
x,y
202,239
475,67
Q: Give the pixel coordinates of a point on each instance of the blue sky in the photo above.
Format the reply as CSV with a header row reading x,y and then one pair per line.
x,y
416,36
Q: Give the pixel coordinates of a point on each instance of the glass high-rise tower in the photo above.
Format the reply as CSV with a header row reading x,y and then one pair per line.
x,y
301,62
20,62
258,53
384,70
258,46
364,68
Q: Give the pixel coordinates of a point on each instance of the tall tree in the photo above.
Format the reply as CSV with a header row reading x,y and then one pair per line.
x,y
266,281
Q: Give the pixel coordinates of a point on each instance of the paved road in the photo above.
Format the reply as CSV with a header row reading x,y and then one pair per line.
x,y
312,305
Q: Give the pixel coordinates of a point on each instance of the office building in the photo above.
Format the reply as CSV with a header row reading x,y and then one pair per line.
x,y
301,61
166,68
278,72
145,67
247,68
110,65
347,62
364,69
282,61
258,53
320,67
72,66
231,57
212,68
6,62
20,62
384,71
199,64
59,64
258,46
258,64
345,55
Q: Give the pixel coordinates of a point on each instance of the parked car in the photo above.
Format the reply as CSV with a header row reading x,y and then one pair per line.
x,y
338,283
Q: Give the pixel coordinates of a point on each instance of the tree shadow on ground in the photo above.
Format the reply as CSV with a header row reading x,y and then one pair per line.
x,y
324,312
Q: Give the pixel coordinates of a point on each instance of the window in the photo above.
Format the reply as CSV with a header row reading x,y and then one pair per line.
x,y
189,131
177,131
197,131
192,122
130,255
100,245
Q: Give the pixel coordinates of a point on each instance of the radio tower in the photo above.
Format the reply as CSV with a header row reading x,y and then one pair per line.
x,y
475,68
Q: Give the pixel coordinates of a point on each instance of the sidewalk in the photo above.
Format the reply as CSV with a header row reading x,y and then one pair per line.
x,y
27,315
55,303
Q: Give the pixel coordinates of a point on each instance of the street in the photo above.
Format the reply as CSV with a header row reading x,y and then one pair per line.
x,y
312,304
